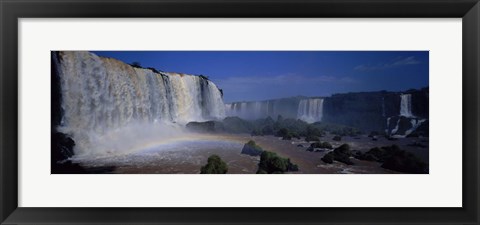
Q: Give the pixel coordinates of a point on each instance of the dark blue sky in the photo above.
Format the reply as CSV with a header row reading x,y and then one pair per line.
x,y
260,75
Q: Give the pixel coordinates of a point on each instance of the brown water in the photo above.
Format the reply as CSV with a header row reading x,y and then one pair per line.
x,y
188,155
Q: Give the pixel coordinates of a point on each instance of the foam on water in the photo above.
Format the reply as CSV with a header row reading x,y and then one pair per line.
x,y
110,107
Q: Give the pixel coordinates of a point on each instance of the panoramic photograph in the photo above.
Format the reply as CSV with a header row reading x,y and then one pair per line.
x,y
239,112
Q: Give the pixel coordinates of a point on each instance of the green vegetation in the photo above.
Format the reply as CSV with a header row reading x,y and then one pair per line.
x,y
270,163
287,134
215,165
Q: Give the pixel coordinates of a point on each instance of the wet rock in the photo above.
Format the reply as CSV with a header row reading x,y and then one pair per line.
x,y
252,149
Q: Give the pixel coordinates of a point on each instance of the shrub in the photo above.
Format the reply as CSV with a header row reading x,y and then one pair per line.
x,y
313,132
215,165
270,163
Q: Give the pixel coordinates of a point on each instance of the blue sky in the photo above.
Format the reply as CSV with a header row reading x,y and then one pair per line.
x,y
261,75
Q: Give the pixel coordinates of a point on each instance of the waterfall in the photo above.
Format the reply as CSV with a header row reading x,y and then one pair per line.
x,y
383,107
406,105
248,110
102,96
310,110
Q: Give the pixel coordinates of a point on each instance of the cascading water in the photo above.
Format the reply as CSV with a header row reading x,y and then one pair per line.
x,y
105,99
310,110
251,110
307,109
406,105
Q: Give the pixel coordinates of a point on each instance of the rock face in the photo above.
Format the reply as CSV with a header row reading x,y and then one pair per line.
x,y
377,111
207,126
406,126
62,147
366,111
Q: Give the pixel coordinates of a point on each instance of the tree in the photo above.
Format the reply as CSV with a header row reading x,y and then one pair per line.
x,y
215,165
270,163
136,64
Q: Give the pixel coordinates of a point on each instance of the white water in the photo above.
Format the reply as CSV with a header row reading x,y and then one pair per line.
x,y
110,106
415,124
251,110
406,105
310,110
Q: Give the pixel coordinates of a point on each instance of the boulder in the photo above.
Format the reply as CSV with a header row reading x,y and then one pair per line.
x,y
252,149
328,158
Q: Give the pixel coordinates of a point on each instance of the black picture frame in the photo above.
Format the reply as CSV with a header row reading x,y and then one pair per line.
x,y
12,10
